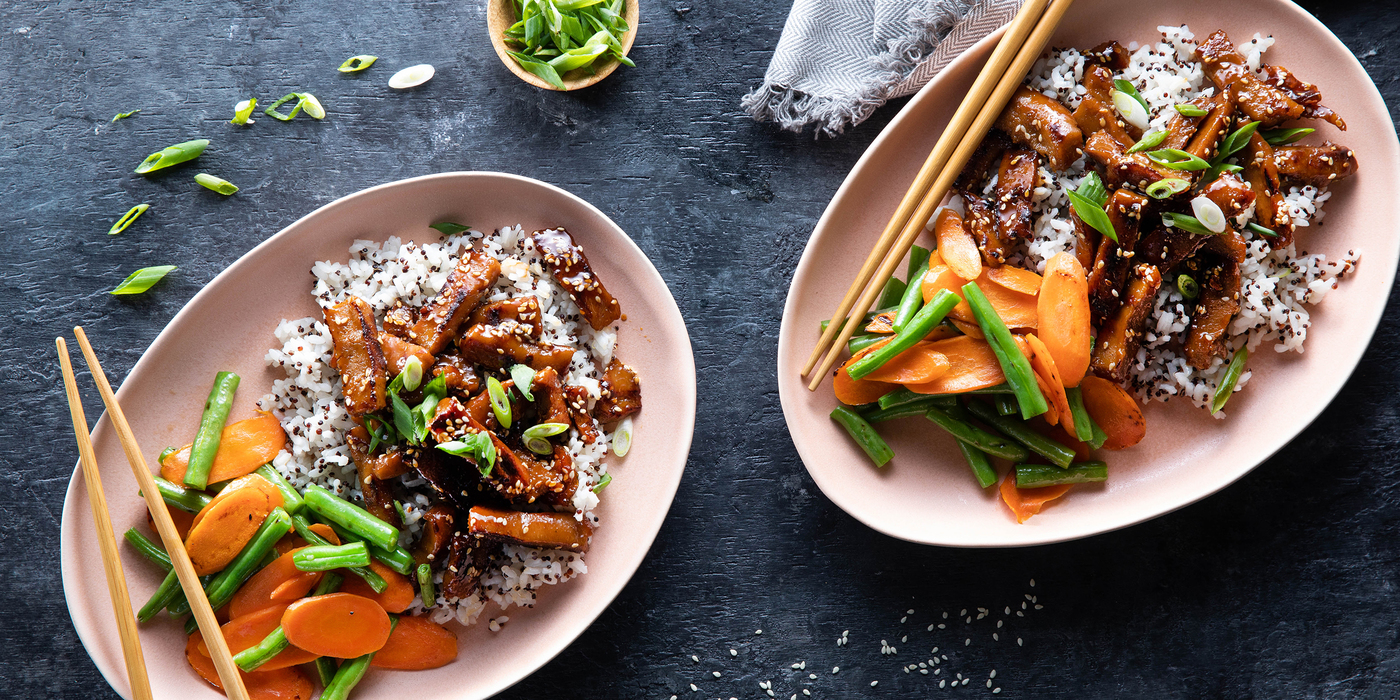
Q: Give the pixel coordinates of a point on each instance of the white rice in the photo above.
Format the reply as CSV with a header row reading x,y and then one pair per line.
x,y
309,401
1276,285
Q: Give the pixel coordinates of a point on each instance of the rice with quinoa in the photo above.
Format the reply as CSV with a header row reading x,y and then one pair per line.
x,y
1277,286
309,401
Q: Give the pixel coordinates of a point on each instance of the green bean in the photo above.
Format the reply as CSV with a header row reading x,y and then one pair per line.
x,y
918,257
397,558
1017,430
907,410
255,656
903,396
161,598
351,672
291,500
994,390
893,292
326,668
1083,422
303,528
211,429
226,583
179,604
171,155
985,441
188,500
864,435
165,453
913,297
1006,404
923,322
330,583
426,592
148,549
977,460
324,557
351,517
1013,364
1030,476
1228,381
861,342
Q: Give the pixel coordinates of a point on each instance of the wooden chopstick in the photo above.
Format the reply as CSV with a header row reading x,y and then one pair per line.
x,y
1011,41
184,570
991,108
106,539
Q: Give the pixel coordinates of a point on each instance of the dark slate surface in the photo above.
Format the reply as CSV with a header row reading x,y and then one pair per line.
x,y
1284,585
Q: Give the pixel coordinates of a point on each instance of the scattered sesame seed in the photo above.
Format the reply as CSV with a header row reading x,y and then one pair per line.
x,y
995,638
874,683
967,641
695,658
733,652
996,690
758,631
1032,583
835,669
943,684
993,674
1020,643
813,676
715,674
693,689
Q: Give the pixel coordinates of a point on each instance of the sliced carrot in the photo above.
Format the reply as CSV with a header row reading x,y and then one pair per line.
x,y
225,528
260,590
251,481
248,630
1027,502
1052,412
1044,365
292,541
1015,279
1017,310
917,365
972,365
417,645
277,684
854,392
969,329
940,277
882,323
958,250
182,519
1063,311
243,446
1115,410
395,598
341,625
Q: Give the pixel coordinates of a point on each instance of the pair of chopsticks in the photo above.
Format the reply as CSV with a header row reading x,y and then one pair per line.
x,y
111,561
1026,36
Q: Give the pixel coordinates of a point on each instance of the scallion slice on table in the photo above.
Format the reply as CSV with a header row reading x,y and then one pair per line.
x,y
1176,159
536,437
218,184
875,446
1163,189
622,437
1013,364
1190,110
355,64
271,110
1034,476
130,216
412,76
1186,223
142,279
1280,137
1088,201
172,155
311,105
132,113
1229,380
923,322
243,111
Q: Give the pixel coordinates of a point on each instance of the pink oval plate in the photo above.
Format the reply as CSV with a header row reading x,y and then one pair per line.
x,y
229,324
926,493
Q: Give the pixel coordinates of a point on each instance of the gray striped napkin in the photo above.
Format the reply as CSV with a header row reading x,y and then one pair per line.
x,y
838,60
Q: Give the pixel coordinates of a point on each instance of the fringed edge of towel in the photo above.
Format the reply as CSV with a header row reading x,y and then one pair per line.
x,y
794,110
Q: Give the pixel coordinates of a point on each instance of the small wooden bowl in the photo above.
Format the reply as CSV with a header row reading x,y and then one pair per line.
x,y
500,15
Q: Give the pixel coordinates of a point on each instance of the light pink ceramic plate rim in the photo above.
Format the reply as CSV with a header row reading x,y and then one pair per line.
x,y
926,495
163,398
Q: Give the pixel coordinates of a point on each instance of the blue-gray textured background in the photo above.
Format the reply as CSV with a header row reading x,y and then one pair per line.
x,y
1283,585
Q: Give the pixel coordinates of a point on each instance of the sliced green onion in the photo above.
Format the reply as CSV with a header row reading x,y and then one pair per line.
x,y
1186,284
217,184
243,111
602,483
311,105
1126,87
1151,139
412,76
477,447
1228,381
142,279
1238,139
1177,159
448,228
271,109
523,376
132,113
1209,214
172,155
1261,230
1190,110
1088,201
1215,170
622,437
500,402
1186,223
1163,189
1131,109
426,593
1280,137
535,436
355,64
412,373
131,215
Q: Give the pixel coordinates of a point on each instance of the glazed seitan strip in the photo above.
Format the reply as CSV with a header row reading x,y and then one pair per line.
x,y
570,267
1318,166
548,530
622,394
356,353
1233,195
1303,93
1016,178
467,559
467,284
1096,111
1043,124
1213,129
1113,260
983,228
1218,303
497,346
1120,338
1270,209
1261,101
436,533
1123,169
397,351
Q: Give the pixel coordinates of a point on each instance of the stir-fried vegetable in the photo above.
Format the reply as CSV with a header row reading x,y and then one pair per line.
x,y
1013,364
211,429
865,436
1032,476
1229,379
